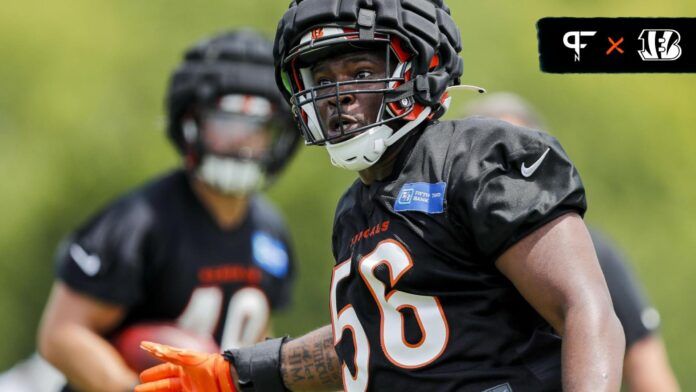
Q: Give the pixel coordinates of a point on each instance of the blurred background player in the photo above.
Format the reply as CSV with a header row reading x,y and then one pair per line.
x,y
197,247
646,366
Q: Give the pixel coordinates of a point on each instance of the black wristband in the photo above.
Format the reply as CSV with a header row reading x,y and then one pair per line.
x,y
258,366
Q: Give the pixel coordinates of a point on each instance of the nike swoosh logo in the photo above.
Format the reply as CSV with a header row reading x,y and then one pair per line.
x,y
528,171
89,264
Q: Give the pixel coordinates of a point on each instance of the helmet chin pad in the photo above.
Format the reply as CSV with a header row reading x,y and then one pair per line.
x,y
361,151
364,150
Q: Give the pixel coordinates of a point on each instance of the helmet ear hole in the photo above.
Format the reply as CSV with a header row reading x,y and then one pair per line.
x,y
190,139
190,130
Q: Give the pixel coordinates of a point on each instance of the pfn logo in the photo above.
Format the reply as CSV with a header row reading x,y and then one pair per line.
x,y
576,43
660,45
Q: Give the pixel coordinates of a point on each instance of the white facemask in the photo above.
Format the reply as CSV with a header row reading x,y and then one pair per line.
x,y
229,175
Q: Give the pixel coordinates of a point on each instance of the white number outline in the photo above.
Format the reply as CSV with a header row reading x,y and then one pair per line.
x,y
371,282
346,318
253,311
360,380
204,298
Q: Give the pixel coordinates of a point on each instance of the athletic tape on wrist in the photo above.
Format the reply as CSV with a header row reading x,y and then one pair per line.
x,y
258,366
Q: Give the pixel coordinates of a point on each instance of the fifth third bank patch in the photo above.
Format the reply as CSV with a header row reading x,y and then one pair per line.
x,y
617,45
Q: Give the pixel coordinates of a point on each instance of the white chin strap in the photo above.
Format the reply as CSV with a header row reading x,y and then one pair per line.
x,y
365,149
230,176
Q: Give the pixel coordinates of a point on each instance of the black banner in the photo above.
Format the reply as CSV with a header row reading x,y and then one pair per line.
x,y
615,45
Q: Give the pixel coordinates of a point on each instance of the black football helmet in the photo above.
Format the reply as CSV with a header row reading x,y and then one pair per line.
x,y
222,75
421,44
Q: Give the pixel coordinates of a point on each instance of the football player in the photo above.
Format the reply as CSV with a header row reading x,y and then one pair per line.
x,y
462,260
199,246
646,366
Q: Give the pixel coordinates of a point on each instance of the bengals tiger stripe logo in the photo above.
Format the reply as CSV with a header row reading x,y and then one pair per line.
x,y
317,33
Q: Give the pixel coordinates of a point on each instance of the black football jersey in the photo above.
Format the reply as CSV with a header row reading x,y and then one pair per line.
x,y
638,318
416,300
159,252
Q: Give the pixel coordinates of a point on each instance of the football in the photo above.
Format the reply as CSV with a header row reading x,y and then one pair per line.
x,y
127,342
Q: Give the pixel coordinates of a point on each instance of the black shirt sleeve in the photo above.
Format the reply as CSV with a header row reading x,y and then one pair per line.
x,y
104,258
273,250
281,298
637,317
507,181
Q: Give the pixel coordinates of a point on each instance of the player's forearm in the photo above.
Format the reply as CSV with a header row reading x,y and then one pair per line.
x,y
647,368
311,363
88,361
593,350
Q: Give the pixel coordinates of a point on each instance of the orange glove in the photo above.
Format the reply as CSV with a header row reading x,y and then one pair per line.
x,y
185,371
